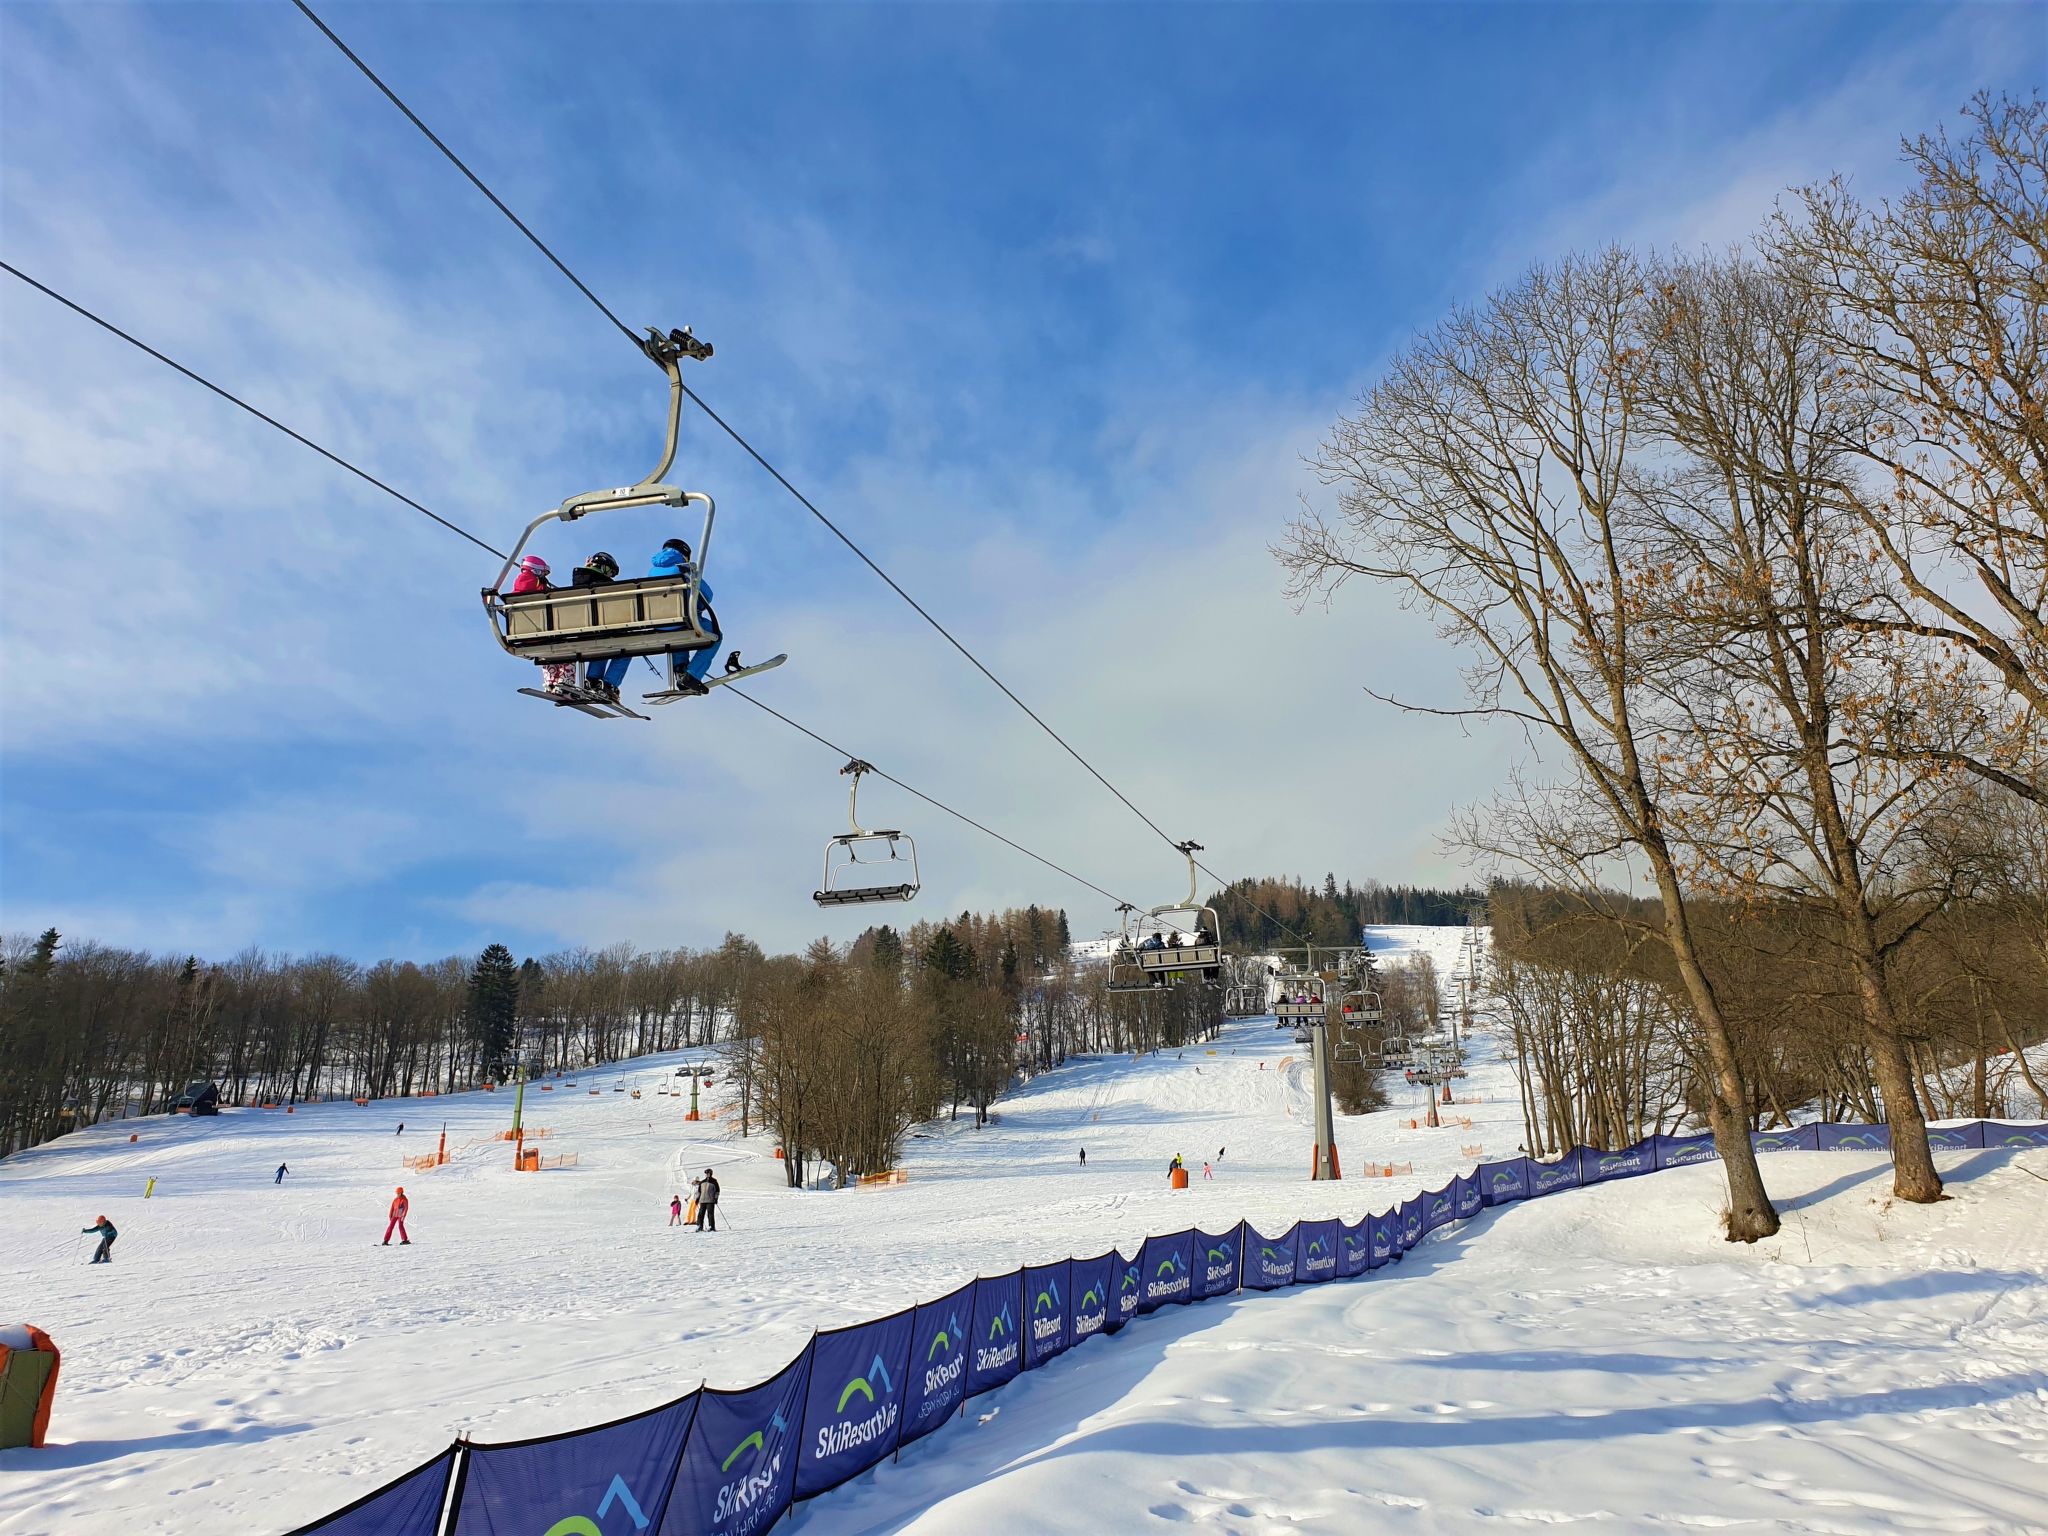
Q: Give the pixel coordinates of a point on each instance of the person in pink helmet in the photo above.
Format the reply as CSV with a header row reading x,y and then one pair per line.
x,y
556,677
400,1208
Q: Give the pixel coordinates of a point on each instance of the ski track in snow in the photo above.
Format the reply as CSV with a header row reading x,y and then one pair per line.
x,y
252,1359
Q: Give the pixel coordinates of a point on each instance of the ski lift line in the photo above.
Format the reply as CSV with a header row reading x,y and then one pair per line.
x,y
927,799
455,528
298,437
474,179
751,451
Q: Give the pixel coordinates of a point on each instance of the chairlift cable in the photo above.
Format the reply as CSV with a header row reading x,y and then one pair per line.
x,y
236,400
751,451
455,528
921,795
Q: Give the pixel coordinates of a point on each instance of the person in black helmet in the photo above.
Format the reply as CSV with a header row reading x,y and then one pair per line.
x,y
601,677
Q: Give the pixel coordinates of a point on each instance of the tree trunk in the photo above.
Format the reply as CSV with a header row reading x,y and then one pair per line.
x,y
1913,1175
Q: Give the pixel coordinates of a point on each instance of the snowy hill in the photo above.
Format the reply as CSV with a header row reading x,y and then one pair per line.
x,y
253,1358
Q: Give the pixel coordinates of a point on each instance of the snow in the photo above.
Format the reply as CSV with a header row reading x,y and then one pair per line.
x,y
253,1358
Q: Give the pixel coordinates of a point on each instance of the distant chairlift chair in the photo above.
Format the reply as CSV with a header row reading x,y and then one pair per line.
x,y
1201,960
843,856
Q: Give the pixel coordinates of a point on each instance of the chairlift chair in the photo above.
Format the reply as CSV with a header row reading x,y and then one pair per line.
x,y
1125,973
649,616
843,856
1361,1007
1204,958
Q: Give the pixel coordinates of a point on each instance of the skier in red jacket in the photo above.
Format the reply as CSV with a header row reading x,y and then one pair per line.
x,y
399,1206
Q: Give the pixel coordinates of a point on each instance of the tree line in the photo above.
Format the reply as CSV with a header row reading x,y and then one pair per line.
x,y
1266,912
1754,545
941,1015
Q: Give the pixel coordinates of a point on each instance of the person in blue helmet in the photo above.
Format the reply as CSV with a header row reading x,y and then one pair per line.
x,y
690,668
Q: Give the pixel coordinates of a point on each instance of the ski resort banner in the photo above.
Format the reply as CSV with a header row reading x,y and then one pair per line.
x,y
739,1461
853,1410
1504,1181
1677,1151
1168,1265
730,1463
1217,1255
1354,1251
998,1352
1088,1284
1268,1261
1315,1251
549,1484
1048,1308
938,1362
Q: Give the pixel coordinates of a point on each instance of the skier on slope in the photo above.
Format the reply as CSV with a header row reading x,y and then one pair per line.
x,y
280,1174
399,1207
675,1210
707,1201
104,1254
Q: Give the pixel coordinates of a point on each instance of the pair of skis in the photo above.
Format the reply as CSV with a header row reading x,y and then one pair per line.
x,y
603,708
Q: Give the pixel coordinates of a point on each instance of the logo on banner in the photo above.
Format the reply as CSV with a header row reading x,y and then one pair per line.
x,y
1043,1328
1001,1326
1859,1139
845,1435
1273,1263
1089,1313
1506,1178
939,1377
1219,1262
1317,1254
1175,1270
762,1451
583,1525
1439,1205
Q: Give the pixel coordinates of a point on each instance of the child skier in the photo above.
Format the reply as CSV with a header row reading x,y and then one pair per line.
x,y
675,1210
399,1207
104,1254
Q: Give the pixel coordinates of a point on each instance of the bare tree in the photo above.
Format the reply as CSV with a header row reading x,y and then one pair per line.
x,y
1936,308
1487,475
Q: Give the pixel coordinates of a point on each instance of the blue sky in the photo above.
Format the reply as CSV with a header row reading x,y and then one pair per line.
x,y
1043,303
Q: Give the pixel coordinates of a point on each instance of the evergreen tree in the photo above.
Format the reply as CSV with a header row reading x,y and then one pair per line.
x,y
948,956
1066,937
887,954
494,988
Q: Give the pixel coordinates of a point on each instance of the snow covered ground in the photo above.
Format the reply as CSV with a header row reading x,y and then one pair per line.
x,y
253,1358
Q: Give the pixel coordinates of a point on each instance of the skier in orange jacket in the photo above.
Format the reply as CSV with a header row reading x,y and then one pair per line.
x,y
399,1206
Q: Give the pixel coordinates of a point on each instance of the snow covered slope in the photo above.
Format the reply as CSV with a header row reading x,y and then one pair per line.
x,y
253,1359
1597,1357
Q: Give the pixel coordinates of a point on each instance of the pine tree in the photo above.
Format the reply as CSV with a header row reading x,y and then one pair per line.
x,y
887,954
1066,936
494,988
946,955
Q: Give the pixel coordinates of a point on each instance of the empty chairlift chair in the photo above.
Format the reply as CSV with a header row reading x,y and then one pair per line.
x,y
848,873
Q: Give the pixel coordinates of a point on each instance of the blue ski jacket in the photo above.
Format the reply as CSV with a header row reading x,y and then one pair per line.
x,y
670,562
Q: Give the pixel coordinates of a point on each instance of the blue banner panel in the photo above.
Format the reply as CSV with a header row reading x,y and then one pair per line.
x,y
1439,1208
1504,1181
2003,1133
1970,1134
998,1329
1048,1302
1677,1151
1168,1264
853,1410
1089,1281
539,1485
1599,1167
939,1349
1269,1261
1548,1178
1411,1223
1384,1233
1798,1138
739,1464
1354,1248
1467,1196
1130,1289
405,1506
1315,1250
1216,1259
1854,1138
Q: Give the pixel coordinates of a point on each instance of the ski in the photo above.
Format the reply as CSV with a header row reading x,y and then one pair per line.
x,y
590,704
670,695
